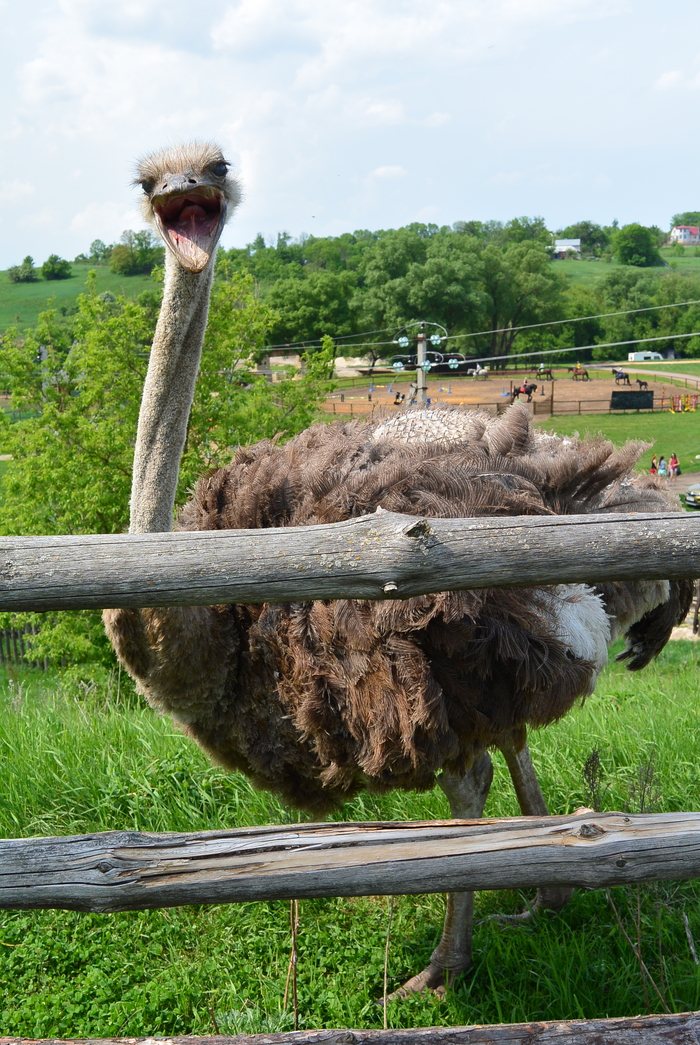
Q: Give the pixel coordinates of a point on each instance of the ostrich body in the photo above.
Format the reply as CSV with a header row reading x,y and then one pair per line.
x,y
317,700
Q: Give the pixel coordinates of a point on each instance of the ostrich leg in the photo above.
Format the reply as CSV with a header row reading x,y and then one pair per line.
x,y
532,803
467,796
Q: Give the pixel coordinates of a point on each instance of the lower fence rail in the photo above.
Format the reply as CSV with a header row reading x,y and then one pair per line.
x,y
680,1029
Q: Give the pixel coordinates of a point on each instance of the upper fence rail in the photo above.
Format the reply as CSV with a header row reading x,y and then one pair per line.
x,y
379,556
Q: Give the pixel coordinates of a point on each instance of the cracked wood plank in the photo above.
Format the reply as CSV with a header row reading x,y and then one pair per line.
x,y
121,871
379,556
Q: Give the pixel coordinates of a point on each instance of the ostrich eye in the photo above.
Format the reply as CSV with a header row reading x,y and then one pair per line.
x,y
147,187
220,170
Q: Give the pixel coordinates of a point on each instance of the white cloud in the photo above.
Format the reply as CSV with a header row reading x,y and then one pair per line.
x,y
15,191
669,79
111,217
437,119
385,112
307,97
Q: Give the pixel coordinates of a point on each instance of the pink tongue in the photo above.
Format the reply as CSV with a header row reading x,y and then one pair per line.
x,y
191,212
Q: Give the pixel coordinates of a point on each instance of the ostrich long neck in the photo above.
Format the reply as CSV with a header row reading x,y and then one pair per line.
x,y
167,396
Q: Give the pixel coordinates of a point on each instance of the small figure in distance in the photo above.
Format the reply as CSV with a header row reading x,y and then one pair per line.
x,y
663,468
673,469
399,398
654,465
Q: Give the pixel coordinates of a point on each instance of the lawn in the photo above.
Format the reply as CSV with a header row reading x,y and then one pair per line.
x,y
21,303
77,759
588,271
666,431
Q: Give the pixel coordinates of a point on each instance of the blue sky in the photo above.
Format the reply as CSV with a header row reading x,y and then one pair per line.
x,y
348,115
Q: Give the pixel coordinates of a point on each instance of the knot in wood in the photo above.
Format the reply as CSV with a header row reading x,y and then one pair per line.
x,y
420,528
590,831
104,866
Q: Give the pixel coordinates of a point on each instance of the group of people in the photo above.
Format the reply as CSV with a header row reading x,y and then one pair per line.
x,y
665,469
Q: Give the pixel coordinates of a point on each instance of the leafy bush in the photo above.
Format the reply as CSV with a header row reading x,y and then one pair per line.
x,y
56,268
138,252
81,385
637,245
24,273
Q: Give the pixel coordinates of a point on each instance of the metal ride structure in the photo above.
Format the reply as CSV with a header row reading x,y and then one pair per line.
x,y
419,388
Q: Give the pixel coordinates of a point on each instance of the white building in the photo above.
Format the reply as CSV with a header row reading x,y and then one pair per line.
x,y
567,248
685,234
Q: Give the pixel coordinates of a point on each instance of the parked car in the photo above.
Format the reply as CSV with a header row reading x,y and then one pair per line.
x,y
692,496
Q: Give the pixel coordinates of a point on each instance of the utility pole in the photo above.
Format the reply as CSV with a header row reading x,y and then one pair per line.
x,y
421,380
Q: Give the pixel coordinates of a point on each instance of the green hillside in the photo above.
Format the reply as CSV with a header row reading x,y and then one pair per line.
x,y
589,271
21,303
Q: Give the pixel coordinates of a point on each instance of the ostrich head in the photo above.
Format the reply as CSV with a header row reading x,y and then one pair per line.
x,y
188,196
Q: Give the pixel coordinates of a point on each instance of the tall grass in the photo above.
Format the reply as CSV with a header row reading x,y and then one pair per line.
x,y
76,758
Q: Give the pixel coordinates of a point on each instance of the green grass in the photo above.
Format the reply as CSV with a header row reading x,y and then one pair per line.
x,y
679,366
21,303
75,760
588,272
668,432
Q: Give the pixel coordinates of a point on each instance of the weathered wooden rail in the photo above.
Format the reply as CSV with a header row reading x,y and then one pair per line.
x,y
680,1029
121,871
379,556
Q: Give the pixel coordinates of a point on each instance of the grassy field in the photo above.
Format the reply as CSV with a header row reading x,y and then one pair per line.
x,y
21,303
74,760
588,272
668,432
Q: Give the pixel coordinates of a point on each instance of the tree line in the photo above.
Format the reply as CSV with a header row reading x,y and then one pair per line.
x,y
481,279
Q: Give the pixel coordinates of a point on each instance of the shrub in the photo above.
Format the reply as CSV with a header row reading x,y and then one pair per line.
x,y
56,268
24,273
637,245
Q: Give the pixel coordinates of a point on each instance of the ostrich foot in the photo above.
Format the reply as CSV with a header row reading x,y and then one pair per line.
x,y
434,980
550,898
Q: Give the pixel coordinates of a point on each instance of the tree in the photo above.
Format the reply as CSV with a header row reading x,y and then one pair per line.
x,y
520,287
594,238
99,252
56,268
70,470
307,308
137,254
637,245
518,230
686,217
24,273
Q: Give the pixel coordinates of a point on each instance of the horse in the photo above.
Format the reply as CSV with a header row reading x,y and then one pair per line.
x,y
621,378
525,389
545,373
642,384
578,372
479,371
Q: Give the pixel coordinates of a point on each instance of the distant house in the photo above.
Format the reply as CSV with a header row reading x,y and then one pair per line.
x,y
685,234
567,248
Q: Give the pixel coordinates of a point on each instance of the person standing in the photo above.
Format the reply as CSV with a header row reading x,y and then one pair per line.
x,y
663,468
673,468
654,465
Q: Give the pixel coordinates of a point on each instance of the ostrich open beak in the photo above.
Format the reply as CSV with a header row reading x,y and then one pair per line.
x,y
191,223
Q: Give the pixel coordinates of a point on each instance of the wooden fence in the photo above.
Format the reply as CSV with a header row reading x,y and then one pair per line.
x,y
379,556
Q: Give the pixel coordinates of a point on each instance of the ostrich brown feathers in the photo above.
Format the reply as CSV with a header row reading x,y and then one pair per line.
x,y
314,700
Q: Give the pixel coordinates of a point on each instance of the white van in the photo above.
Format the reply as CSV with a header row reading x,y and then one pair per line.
x,y
642,357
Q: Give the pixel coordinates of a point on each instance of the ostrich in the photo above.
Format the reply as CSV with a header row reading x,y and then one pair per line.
x,y
317,700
